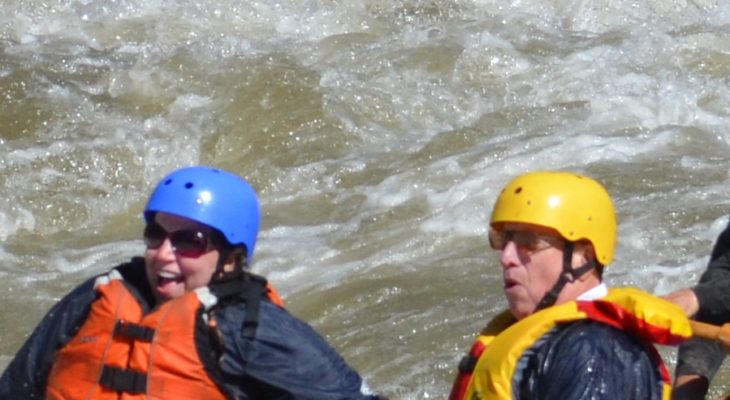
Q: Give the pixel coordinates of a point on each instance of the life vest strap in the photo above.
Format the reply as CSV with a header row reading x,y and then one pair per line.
x,y
248,287
124,380
466,369
255,290
133,331
468,363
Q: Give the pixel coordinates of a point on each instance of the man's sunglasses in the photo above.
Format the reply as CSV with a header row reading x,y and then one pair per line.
x,y
190,243
530,241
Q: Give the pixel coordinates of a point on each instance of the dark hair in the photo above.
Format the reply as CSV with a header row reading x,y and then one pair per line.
x,y
226,249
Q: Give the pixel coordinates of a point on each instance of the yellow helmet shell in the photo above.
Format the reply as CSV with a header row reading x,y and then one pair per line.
x,y
576,206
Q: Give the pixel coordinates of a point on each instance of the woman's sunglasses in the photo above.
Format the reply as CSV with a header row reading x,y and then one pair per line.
x,y
185,242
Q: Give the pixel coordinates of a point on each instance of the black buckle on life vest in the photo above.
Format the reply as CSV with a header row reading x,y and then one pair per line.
x,y
248,287
133,331
124,380
467,364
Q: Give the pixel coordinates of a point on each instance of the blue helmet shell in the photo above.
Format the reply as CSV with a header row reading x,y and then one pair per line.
x,y
210,196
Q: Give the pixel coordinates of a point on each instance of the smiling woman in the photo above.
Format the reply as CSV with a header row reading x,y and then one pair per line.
x,y
184,259
183,322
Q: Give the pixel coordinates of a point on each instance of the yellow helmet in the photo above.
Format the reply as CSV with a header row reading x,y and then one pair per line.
x,y
578,207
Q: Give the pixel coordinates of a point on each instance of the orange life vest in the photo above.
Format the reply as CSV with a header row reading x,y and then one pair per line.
x,y
121,353
487,371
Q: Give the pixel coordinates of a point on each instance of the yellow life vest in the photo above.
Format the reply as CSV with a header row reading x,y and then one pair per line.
x,y
487,372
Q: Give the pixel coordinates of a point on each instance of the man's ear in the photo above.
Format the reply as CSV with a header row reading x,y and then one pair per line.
x,y
585,250
583,253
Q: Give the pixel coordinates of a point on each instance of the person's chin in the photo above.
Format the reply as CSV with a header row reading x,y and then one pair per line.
x,y
519,310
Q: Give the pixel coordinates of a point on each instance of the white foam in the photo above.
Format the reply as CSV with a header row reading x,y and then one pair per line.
x,y
379,141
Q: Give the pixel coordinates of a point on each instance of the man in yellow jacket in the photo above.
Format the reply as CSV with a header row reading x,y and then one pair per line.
x,y
566,335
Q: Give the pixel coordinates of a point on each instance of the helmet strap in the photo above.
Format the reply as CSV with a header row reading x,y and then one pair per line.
x,y
568,275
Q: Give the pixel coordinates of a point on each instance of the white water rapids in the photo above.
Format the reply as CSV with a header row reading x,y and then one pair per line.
x,y
378,134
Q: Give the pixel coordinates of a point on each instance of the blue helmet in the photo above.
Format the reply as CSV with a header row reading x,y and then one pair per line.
x,y
213,197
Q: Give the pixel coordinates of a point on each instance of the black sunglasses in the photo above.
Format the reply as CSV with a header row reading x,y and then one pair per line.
x,y
185,242
530,241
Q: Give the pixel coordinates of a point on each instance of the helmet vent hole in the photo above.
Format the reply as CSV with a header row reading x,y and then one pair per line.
x,y
518,190
189,185
169,181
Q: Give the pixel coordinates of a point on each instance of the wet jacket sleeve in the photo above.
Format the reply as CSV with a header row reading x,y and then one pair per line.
x,y
287,359
27,374
711,291
699,356
587,360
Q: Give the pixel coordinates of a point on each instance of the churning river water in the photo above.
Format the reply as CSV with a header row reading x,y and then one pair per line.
x,y
377,133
